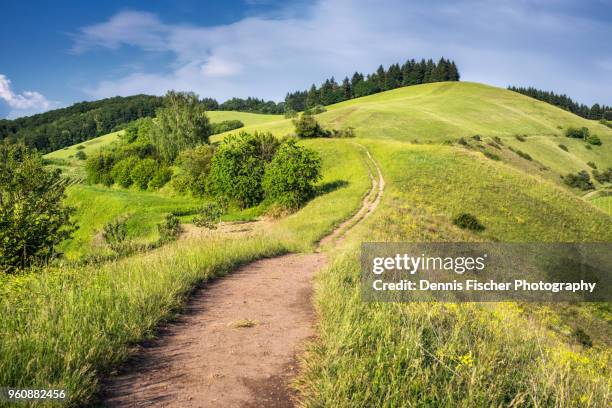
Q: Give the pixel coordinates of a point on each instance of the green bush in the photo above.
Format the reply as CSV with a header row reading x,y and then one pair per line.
x,y
594,140
306,126
238,165
80,155
563,147
169,229
524,155
577,133
160,178
580,180
520,138
115,233
80,147
346,132
225,126
209,216
477,138
491,156
33,219
290,177
468,221
604,176
98,168
122,171
315,110
143,172
194,164
591,165
290,114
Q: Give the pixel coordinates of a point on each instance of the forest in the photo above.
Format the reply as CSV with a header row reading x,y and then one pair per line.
x,y
595,112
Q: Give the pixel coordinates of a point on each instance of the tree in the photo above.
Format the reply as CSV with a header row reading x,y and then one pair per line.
x,y
33,219
237,169
290,177
180,124
307,126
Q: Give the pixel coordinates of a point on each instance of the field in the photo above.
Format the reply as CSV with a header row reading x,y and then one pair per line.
x,y
84,321
377,354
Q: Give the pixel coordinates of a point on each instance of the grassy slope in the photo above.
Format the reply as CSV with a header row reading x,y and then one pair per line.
x,y
605,203
446,111
434,354
83,321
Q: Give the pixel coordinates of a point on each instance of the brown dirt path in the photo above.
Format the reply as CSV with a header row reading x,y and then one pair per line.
x,y
237,342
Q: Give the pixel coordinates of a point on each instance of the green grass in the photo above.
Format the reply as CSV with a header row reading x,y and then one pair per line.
x,y
97,205
64,328
605,203
247,118
434,354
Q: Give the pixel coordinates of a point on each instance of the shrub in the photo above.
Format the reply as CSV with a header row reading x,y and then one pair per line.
x,y
524,155
563,147
576,133
122,171
225,126
306,126
462,141
580,180
143,172
290,177
315,110
468,221
491,156
80,155
267,145
237,168
498,140
80,147
115,233
477,138
33,219
594,140
209,216
591,165
347,132
604,176
169,229
582,337
520,138
160,178
98,168
195,166
290,113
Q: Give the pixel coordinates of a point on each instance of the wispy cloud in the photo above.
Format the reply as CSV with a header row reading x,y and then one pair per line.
x,y
21,104
526,42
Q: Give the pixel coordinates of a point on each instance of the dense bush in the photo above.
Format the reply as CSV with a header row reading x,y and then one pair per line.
x,y
577,133
33,219
99,168
122,171
80,155
520,138
161,176
346,132
315,110
468,221
604,176
194,167
115,233
593,140
580,180
290,177
591,165
225,126
182,123
209,215
169,229
563,147
237,168
306,126
143,172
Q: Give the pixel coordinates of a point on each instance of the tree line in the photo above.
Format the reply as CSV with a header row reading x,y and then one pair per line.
x,y
82,121
410,73
595,112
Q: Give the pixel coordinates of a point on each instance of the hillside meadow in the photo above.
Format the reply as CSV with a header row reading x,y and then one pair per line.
x,y
436,354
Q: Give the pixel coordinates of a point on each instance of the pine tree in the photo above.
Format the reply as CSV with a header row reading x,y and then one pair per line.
x,y
381,77
347,91
453,73
393,78
312,98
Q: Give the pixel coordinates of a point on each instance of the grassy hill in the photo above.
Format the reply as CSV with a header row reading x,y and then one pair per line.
x,y
446,111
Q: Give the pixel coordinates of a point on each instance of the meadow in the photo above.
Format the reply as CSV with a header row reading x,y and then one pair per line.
x,y
435,354
69,326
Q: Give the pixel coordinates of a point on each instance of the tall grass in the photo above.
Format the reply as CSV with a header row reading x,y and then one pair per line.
x,y
467,355
64,328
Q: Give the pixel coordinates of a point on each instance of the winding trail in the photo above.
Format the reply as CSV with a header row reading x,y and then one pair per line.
x,y
237,341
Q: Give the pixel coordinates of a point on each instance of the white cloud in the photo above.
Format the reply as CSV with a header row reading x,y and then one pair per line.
x,y
522,43
25,103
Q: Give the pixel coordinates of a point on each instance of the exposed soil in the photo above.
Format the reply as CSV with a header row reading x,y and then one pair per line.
x,y
237,342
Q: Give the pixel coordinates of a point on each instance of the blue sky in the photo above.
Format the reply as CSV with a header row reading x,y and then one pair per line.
x,y
54,55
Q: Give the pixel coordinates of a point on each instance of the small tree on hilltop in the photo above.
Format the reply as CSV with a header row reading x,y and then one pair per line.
x,y
33,219
290,177
180,124
307,126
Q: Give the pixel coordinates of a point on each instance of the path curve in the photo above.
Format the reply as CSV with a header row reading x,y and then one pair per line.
x,y
237,341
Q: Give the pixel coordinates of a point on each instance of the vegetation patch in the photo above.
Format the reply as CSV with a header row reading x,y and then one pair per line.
x,y
468,221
